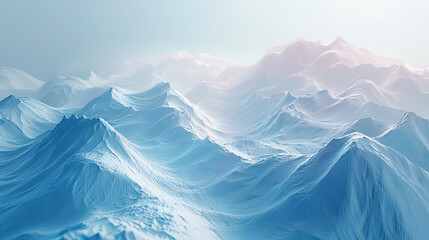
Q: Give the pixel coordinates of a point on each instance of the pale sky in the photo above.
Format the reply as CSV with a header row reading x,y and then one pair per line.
x,y
49,37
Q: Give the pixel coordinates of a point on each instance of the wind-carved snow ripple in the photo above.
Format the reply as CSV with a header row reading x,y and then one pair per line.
x,y
152,165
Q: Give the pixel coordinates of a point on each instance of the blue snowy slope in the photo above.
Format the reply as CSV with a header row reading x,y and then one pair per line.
x,y
315,141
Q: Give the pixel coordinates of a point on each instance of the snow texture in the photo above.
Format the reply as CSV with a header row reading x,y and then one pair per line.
x,y
314,141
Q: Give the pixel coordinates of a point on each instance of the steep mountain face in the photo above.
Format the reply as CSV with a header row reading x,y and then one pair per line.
x,y
29,115
57,181
80,167
315,141
167,129
410,136
11,135
350,155
144,114
349,189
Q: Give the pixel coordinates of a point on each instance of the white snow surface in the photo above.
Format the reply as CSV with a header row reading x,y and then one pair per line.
x,y
314,141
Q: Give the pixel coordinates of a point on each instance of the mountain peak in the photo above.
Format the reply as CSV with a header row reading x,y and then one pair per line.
x,y
348,142
163,86
75,127
367,126
112,95
113,92
410,116
339,42
10,104
11,99
82,124
356,137
410,137
411,119
160,89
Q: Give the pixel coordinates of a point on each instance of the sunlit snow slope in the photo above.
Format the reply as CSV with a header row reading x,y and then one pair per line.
x,y
314,141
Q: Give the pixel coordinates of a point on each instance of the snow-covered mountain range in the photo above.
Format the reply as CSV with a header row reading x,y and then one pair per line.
x,y
314,141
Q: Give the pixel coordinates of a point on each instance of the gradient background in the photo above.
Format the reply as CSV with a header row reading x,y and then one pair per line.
x,y
50,37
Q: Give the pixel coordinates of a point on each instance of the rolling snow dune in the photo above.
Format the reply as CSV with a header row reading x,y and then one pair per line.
x,y
181,69
14,79
305,67
16,82
314,141
69,92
